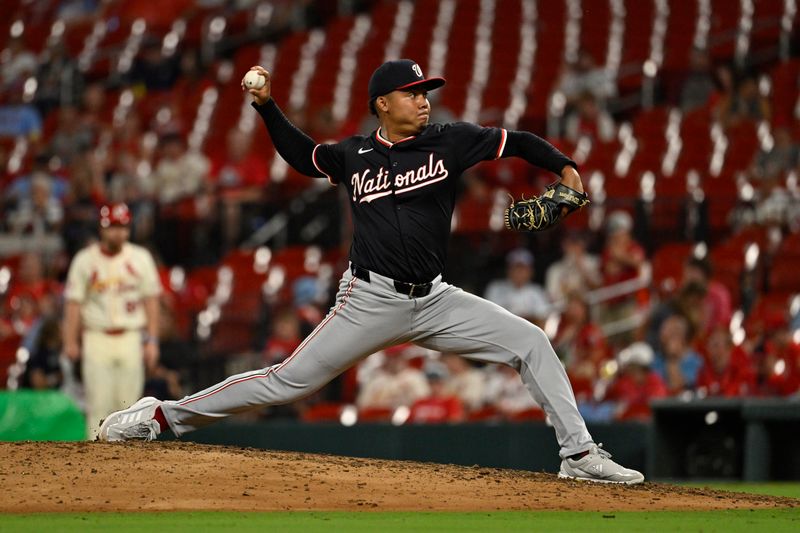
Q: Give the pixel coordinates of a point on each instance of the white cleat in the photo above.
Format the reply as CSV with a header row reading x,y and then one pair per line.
x,y
134,423
597,466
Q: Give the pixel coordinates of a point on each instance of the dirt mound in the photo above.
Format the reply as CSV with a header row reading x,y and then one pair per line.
x,y
39,477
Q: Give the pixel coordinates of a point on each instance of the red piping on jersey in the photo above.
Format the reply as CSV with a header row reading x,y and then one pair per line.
x,y
276,368
503,137
314,160
388,143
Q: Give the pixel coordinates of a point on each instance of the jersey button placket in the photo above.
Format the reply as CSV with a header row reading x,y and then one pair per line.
x,y
393,164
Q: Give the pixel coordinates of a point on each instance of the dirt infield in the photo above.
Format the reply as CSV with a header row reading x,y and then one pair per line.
x,y
47,477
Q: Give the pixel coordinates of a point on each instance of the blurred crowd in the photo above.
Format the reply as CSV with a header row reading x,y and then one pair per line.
x,y
624,337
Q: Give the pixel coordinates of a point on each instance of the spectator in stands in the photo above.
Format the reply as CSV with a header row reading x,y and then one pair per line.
x,y
746,104
506,393
127,183
717,306
474,204
18,118
86,196
43,369
589,119
240,178
779,365
464,380
782,156
622,261
152,69
129,136
285,338
699,84
727,370
324,126
18,63
688,303
182,187
636,384
395,383
677,363
179,174
580,343
163,380
5,173
309,297
58,79
440,405
774,205
31,280
724,92
24,313
93,109
517,292
39,214
577,271
21,188
584,76
71,11
71,137
33,299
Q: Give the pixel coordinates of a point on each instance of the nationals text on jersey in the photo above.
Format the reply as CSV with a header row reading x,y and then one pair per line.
x,y
366,189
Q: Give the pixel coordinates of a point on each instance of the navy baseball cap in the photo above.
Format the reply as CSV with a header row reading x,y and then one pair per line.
x,y
400,74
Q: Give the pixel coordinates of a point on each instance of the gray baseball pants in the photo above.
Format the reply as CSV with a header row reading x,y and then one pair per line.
x,y
370,316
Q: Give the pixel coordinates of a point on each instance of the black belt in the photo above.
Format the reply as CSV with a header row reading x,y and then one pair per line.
x,y
414,290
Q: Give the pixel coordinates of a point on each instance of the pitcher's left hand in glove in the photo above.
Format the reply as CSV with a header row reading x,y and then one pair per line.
x,y
543,212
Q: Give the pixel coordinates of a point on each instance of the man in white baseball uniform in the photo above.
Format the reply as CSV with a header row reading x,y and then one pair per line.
x,y
111,316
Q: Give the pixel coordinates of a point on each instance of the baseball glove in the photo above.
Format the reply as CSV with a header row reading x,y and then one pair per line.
x,y
542,212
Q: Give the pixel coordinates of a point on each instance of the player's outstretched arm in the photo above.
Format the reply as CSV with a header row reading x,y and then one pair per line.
x,y
291,143
537,151
559,200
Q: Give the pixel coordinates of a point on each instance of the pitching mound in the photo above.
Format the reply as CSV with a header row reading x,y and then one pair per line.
x,y
39,477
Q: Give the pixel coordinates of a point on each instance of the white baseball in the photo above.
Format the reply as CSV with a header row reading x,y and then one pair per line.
x,y
254,80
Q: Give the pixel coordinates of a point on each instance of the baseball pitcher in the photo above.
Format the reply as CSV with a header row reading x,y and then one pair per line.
x,y
401,182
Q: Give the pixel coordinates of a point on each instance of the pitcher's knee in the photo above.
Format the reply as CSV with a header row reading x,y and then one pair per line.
x,y
534,343
538,337
535,339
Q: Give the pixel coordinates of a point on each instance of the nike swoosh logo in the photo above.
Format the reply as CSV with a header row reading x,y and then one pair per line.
x,y
362,151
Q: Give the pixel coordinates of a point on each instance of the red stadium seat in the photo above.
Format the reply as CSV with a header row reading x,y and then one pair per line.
x,y
534,414
668,261
783,275
724,22
322,412
484,414
375,414
230,337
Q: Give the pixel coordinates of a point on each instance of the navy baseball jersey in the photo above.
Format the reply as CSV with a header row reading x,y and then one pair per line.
x,y
403,193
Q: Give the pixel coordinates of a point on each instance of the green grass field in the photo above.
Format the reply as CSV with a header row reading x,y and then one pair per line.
x,y
727,521
705,521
